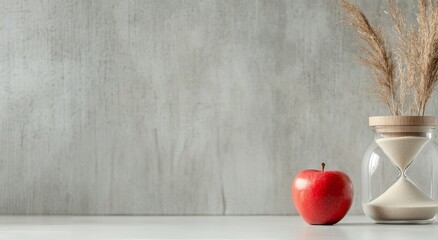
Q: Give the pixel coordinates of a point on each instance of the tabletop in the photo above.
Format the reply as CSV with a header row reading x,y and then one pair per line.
x,y
203,227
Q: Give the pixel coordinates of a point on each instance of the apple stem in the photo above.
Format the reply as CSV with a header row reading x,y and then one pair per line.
x,y
323,166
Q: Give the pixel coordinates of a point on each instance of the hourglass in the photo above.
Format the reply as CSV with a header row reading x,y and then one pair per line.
x,y
392,196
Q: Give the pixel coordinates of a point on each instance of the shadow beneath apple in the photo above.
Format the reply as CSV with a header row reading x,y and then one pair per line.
x,y
325,232
356,224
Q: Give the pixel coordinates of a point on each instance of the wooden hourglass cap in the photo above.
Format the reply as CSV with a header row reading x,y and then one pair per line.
x,y
403,121
403,125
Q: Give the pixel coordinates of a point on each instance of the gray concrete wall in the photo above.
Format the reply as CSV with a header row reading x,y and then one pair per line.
x,y
176,107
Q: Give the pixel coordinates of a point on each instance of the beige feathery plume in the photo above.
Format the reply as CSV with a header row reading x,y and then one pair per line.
x,y
406,77
376,56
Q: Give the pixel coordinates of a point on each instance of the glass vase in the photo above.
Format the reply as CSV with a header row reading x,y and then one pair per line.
x,y
399,170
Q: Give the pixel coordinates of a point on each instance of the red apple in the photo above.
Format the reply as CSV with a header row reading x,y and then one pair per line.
x,y
322,197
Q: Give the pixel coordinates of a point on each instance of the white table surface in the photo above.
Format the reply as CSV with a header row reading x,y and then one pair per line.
x,y
203,227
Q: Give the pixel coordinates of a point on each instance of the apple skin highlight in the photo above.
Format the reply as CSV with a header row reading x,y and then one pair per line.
x,y
322,197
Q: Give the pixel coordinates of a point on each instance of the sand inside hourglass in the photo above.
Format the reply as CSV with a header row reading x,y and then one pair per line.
x,y
403,200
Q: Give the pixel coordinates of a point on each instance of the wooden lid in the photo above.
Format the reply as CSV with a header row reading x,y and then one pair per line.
x,y
403,121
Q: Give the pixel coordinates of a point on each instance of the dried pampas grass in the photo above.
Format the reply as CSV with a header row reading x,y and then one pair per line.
x,y
406,75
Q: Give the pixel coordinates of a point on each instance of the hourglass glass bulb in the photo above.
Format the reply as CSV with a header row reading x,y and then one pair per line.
x,y
402,150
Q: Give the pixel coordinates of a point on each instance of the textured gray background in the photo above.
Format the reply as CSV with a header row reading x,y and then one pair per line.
x,y
176,107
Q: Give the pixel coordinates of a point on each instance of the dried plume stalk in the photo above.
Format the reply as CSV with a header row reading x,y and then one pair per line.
x,y
376,56
406,59
405,77
428,36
